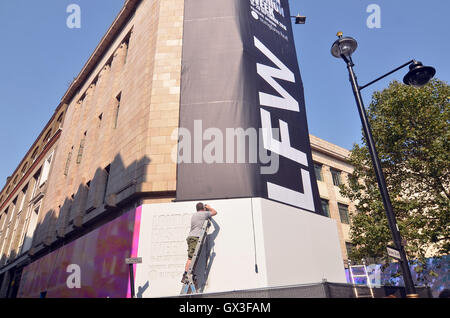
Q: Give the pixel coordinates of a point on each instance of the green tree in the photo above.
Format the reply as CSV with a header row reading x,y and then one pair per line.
x,y
410,129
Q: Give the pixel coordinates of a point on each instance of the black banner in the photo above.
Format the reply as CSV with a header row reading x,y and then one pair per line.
x,y
243,129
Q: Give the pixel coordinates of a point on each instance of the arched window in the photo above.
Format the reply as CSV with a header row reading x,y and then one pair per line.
x,y
60,117
60,120
35,152
47,136
24,168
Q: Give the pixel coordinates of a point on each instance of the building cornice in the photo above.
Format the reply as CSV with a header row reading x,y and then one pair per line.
x,y
116,27
49,123
38,161
329,149
120,21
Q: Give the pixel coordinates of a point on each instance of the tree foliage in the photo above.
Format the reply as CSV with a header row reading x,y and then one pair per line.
x,y
411,133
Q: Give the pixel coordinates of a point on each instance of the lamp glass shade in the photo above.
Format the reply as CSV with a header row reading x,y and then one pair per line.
x,y
419,75
344,46
300,19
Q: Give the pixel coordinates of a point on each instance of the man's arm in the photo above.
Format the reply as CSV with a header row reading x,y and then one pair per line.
x,y
211,210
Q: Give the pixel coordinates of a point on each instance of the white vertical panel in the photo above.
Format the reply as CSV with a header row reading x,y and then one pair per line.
x,y
301,247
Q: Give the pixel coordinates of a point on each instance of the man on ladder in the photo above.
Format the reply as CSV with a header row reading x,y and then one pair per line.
x,y
204,213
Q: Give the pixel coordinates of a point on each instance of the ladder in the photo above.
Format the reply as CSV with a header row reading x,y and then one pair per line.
x,y
364,275
190,285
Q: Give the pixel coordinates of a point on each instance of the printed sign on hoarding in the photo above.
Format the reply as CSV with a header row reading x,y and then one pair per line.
x,y
243,128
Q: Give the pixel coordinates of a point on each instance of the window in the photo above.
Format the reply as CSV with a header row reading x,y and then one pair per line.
x,y
47,136
5,225
13,208
24,196
35,152
125,47
36,184
336,174
107,171
5,238
5,217
100,118
318,171
349,248
343,213
45,170
24,169
325,207
60,118
81,149
95,81
13,235
66,168
116,116
81,100
30,230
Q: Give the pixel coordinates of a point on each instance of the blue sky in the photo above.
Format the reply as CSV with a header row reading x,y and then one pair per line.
x,y
409,29
40,56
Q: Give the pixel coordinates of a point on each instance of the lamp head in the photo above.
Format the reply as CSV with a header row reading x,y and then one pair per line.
x,y
300,19
418,74
344,46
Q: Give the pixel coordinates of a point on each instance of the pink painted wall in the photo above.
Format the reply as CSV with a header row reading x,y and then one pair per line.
x,y
101,256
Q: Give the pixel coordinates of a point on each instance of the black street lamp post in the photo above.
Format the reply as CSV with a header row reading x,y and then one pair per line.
x,y
418,76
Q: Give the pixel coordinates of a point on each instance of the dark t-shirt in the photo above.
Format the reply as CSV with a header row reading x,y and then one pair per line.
x,y
197,221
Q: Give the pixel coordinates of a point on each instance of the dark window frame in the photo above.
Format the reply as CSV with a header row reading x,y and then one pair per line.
x,y
117,110
345,218
349,246
318,166
327,211
336,176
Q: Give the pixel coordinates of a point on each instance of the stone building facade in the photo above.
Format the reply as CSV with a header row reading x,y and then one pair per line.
x,y
332,169
114,150
108,146
22,199
115,147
